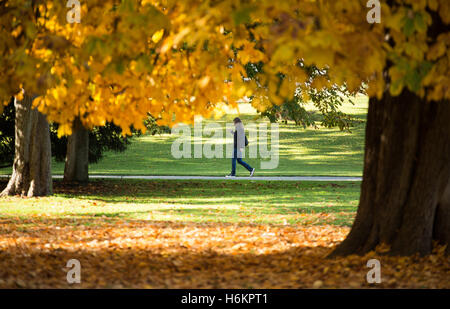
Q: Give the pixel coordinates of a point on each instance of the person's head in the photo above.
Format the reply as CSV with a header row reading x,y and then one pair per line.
x,y
237,120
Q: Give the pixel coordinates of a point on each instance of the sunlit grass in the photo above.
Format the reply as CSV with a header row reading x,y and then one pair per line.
x,y
305,152
306,203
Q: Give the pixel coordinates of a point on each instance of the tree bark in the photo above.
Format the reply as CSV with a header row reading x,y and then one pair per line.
x,y
405,192
32,160
77,159
442,220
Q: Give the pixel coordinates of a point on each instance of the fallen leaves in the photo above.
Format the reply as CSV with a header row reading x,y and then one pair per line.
x,y
161,254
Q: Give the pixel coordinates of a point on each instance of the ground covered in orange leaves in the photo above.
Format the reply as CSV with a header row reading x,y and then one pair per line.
x,y
139,254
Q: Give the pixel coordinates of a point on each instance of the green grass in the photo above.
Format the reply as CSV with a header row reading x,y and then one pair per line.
x,y
305,203
303,152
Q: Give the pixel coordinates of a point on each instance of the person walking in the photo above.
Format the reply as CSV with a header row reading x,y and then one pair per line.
x,y
240,141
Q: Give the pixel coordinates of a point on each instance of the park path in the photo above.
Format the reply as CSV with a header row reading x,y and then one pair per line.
x,y
264,178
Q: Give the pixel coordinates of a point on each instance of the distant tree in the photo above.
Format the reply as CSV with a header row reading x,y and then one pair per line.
x,y
84,147
326,101
100,139
87,146
152,126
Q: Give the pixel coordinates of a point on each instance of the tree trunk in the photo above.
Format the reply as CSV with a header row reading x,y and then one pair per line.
x,y
405,192
32,160
77,158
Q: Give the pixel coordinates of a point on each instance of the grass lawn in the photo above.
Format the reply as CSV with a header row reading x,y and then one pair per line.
x,y
303,152
253,202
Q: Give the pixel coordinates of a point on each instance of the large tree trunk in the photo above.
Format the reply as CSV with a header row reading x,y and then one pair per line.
x,y
32,160
77,158
405,192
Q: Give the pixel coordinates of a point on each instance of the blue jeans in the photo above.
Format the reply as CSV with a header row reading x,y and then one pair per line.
x,y
241,162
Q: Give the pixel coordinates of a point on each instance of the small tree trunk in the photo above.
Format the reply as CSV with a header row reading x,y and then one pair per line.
x,y
77,158
32,160
405,192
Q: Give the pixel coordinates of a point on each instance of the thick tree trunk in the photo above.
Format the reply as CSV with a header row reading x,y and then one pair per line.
x,y
32,160
405,192
77,158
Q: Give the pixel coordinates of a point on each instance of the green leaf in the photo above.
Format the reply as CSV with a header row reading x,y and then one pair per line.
x,y
408,26
396,87
419,23
90,45
126,6
242,16
143,64
414,77
120,66
412,80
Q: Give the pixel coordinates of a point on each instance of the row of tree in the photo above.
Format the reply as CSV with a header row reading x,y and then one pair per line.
x,y
77,150
96,142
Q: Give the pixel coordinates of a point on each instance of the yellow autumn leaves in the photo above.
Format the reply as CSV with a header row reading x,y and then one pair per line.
x,y
178,59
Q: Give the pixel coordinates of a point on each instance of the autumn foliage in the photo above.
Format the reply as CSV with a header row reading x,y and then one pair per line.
x,y
178,59
140,254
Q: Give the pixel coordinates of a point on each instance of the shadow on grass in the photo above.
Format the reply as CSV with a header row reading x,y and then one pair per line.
x,y
261,202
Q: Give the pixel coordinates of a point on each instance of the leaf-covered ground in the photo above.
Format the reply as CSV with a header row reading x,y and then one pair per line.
x,y
38,236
